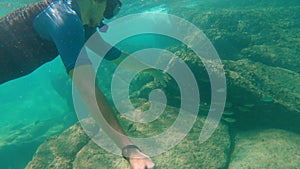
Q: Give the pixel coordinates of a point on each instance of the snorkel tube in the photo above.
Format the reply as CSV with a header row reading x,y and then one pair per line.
x,y
102,27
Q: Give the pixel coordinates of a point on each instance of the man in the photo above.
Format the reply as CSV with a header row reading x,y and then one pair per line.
x,y
36,34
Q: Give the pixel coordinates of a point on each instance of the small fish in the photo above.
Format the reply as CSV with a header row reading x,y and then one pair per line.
x,y
267,99
249,105
229,120
228,113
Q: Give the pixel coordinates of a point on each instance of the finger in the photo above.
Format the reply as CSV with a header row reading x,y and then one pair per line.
x,y
151,166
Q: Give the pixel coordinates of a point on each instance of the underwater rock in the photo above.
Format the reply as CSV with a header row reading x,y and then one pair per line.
x,y
264,81
60,151
252,85
260,45
271,148
73,149
268,35
18,142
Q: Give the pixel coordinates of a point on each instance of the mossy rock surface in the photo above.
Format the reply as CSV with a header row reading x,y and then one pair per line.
x,y
264,34
20,141
267,83
271,148
74,149
60,151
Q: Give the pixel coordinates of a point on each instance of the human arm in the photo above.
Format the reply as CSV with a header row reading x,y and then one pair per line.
x,y
99,108
83,79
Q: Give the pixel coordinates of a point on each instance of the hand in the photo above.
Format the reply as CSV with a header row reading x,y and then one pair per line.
x,y
139,160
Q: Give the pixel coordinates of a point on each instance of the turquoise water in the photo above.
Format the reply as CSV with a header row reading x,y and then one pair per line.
x,y
259,44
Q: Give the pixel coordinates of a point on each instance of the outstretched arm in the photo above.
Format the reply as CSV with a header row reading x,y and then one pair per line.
x,y
83,79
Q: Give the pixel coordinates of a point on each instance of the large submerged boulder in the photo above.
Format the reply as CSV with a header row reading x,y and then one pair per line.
x,y
271,148
268,83
74,149
18,142
264,34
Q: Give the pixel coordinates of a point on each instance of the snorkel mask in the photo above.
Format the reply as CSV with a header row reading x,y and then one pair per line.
x,y
112,9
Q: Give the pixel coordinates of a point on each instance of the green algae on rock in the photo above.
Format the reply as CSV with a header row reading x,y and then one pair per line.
x,y
264,34
60,151
20,141
271,148
73,149
265,81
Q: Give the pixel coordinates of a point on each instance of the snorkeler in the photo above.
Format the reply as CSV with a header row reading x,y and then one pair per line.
x,y
38,33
